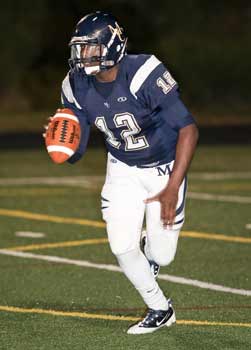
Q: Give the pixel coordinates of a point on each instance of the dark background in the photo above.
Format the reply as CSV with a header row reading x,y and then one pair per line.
x,y
206,45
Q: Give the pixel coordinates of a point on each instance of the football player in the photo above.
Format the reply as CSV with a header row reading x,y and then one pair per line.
x,y
150,138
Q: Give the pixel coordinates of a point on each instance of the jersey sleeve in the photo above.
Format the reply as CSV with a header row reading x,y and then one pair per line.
x,y
175,112
152,83
68,100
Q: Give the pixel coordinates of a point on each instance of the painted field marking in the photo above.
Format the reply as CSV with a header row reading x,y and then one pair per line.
x,y
100,224
68,314
220,175
215,236
93,181
248,226
43,217
87,180
60,244
204,285
190,195
80,181
81,242
29,234
86,315
218,197
115,268
5,192
210,323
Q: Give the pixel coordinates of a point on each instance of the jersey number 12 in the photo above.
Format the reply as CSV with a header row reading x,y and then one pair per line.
x,y
132,143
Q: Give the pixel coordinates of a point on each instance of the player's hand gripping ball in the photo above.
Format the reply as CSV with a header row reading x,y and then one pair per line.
x,y
62,135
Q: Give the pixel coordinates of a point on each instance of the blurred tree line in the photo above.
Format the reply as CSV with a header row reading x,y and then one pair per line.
x,y
206,44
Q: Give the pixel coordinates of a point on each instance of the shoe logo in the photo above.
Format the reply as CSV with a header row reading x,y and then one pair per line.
x,y
122,99
158,323
107,104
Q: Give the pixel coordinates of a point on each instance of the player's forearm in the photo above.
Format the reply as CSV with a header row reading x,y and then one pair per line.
x,y
187,140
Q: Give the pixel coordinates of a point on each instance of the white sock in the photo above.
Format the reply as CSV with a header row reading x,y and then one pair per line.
x,y
137,269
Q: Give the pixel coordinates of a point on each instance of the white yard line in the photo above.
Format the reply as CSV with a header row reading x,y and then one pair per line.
x,y
90,181
114,268
80,181
205,285
218,197
220,175
29,234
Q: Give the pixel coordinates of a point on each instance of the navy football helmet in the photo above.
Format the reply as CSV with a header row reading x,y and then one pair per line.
x,y
98,43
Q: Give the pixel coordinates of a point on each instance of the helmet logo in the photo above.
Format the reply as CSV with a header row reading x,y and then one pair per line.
x,y
117,30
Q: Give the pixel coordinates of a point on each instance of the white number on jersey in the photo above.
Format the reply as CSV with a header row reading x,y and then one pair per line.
x,y
166,83
101,125
132,143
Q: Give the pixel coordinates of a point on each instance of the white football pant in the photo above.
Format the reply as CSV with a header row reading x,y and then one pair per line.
x,y
123,208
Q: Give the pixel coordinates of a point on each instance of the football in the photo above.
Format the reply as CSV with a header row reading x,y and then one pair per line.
x,y
63,135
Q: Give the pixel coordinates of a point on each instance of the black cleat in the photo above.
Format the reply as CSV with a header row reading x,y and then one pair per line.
x,y
154,320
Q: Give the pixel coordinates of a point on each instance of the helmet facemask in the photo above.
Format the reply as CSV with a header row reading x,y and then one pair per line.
x,y
90,57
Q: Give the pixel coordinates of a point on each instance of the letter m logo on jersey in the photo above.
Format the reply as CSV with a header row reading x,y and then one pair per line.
x,y
164,170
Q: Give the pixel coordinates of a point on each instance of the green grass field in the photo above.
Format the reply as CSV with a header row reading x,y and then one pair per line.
x,y
64,305
34,121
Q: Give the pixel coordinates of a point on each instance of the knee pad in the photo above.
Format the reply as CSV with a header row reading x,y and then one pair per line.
x,y
163,246
118,250
122,239
165,257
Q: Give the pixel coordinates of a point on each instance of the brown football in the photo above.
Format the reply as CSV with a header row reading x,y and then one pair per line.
x,y
63,135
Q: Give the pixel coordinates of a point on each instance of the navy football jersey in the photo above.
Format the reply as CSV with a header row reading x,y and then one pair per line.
x,y
140,113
